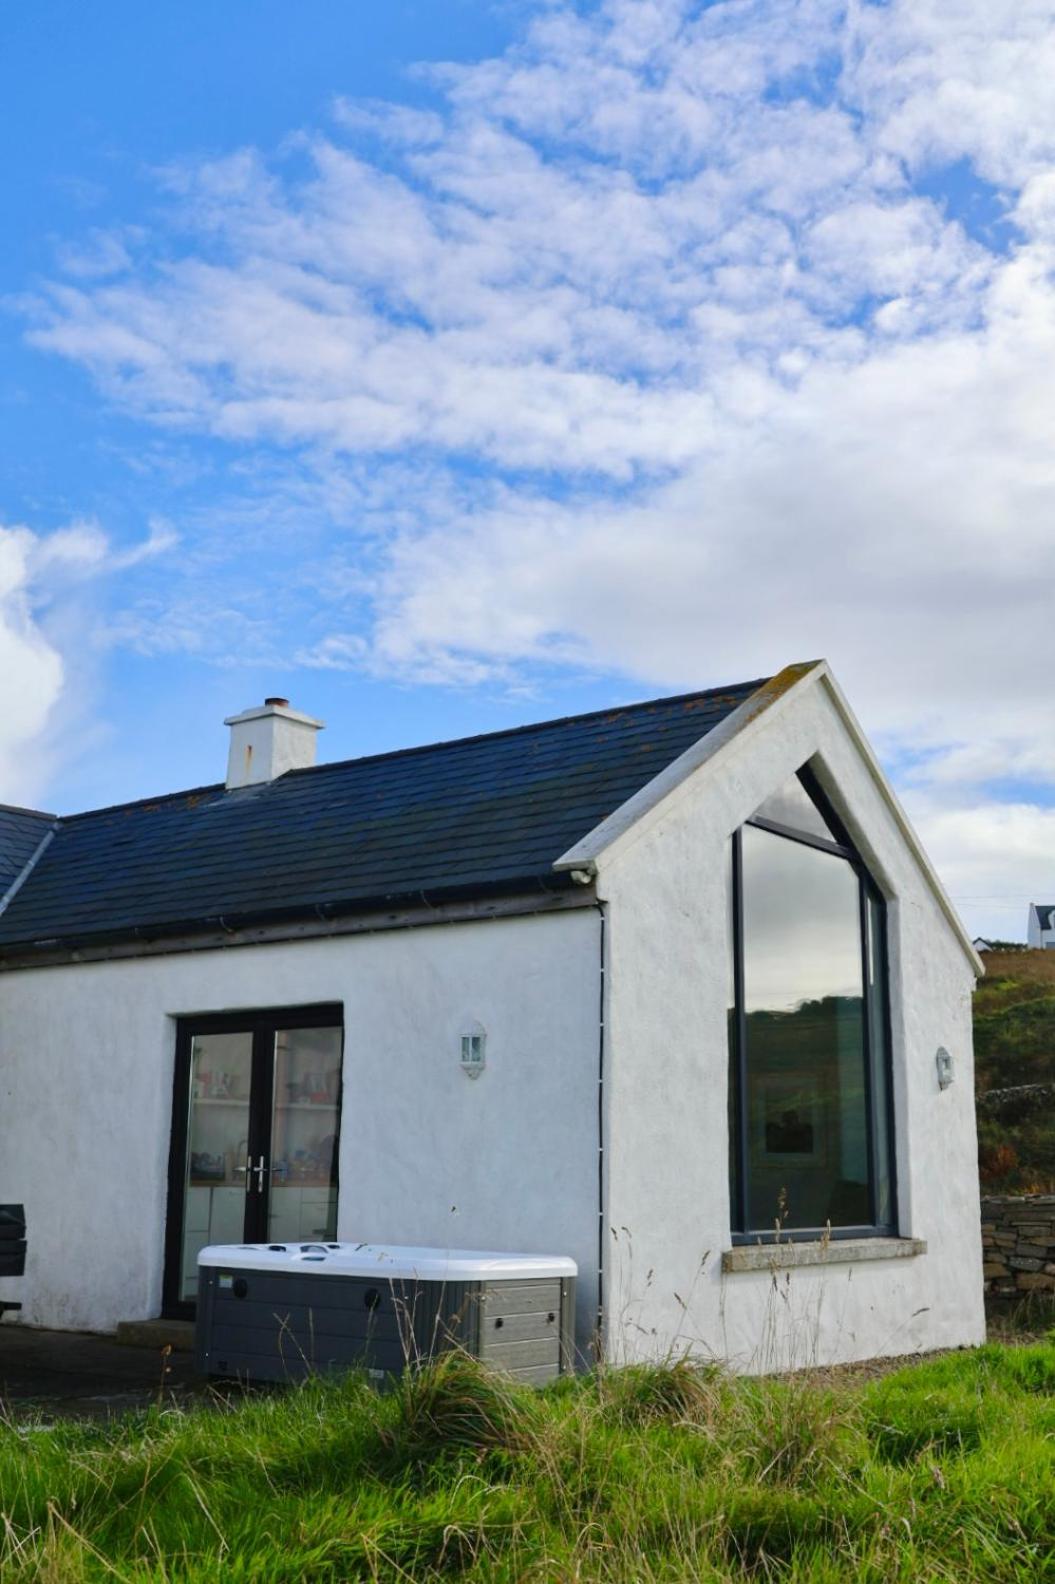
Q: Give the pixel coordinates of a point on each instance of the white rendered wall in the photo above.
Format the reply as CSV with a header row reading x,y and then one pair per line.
x,y
667,1075
427,1156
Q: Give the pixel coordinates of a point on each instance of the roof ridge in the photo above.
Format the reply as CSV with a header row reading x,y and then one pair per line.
x,y
420,748
529,726
158,797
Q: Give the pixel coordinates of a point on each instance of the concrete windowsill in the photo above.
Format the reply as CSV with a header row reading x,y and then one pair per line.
x,y
835,1251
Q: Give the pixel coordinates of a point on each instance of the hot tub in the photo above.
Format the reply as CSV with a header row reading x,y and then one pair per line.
x,y
280,1311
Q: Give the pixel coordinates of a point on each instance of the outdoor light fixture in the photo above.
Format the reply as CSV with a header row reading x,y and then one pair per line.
x,y
474,1051
943,1062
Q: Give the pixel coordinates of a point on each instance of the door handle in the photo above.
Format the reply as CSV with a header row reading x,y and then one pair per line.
x,y
248,1171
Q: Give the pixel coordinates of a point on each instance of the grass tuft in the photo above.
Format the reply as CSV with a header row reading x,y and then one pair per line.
x,y
454,1403
681,1391
794,1432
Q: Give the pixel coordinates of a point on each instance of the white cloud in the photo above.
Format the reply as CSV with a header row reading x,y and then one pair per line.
x,y
952,79
995,858
83,548
44,619
338,652
99,253
698,371
160,539
31,668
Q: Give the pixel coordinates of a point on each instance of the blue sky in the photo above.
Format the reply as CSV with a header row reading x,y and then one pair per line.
x,y
448,365
96,100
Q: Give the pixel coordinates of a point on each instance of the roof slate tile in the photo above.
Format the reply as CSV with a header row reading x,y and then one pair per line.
x,y
21,833
462,817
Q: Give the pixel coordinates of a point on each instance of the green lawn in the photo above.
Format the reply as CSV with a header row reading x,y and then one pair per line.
x,y
943,1470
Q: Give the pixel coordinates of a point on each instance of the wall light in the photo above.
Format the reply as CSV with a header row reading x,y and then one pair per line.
x,y
943,1062
474,1050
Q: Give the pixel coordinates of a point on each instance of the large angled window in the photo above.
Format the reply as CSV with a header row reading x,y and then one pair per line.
x,y
810,1080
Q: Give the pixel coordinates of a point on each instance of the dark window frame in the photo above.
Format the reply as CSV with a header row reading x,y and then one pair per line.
x,y
875,1016
262,1023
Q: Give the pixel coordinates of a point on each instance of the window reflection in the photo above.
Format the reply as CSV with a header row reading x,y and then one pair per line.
x,y
807,1121
879,1037
791,805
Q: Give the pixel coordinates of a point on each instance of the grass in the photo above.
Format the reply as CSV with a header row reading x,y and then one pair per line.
x,y
941,1471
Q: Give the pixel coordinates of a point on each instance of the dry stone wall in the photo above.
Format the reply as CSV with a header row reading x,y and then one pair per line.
x,y
1018,1245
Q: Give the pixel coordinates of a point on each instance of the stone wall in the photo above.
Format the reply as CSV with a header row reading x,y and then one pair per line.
x,y
1018,1245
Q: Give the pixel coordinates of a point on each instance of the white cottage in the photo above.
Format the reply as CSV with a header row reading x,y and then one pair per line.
x,y
672,989
1040,926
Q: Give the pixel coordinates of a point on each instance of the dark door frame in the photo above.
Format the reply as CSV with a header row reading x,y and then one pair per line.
x,y
263,1023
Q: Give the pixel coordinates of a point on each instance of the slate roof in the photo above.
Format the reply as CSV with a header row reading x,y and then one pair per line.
x,y
21,832
476,817
1044,914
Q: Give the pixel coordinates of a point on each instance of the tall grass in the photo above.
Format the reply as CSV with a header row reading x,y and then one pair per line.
x,y
943,1471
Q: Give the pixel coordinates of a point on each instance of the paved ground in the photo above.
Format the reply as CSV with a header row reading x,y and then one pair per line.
x,y
76,1374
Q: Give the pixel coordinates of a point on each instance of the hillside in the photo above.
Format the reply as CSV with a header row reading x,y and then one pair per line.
x,y
1014,1042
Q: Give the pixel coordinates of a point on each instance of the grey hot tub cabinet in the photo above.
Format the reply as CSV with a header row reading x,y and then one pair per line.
x,y
280,1311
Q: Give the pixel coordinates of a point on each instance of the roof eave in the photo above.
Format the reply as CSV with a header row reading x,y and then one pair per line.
x,y
236,922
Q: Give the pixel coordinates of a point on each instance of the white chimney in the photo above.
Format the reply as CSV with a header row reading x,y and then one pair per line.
x,y
268,741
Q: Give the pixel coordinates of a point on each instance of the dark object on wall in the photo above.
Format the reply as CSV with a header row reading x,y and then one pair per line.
x,y
12,1246
279,1312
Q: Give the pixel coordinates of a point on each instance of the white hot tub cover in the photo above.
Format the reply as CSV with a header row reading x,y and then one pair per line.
x,y
388,1261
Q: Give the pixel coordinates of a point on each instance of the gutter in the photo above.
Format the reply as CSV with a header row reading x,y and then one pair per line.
x,y
602,1132
309,923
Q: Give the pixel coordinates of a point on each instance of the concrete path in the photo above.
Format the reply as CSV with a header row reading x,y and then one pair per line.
x,y
79,1375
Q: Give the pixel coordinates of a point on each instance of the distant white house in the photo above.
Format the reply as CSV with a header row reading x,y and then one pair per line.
x,y
1041,927
713,1000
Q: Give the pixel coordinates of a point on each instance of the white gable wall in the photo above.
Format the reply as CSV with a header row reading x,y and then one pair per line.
x,y
1036,935
427,1156
666,885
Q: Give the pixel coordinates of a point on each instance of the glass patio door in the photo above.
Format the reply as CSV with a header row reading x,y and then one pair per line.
x,y
216,1157
256,1119
301,1171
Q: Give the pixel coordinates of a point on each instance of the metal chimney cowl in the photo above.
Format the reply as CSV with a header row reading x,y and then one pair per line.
x,y
267,741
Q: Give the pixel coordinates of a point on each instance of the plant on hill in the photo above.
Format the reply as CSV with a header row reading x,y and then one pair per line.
x,y
1014,1043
